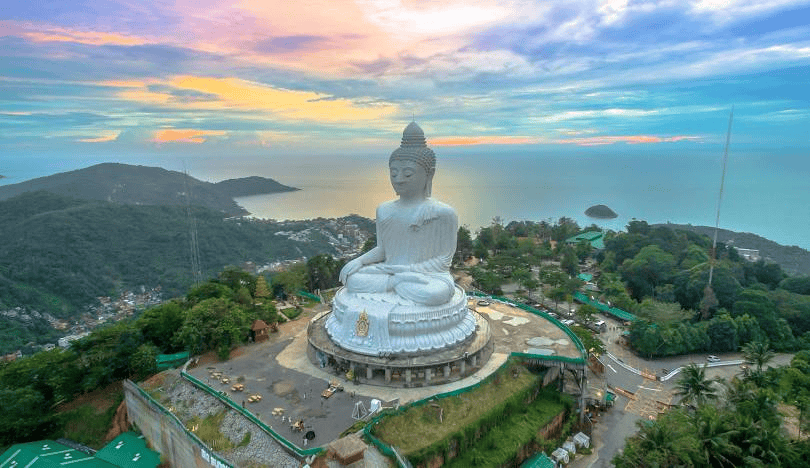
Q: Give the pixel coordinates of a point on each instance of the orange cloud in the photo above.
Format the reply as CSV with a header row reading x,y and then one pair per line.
x,y
483,140
84,37
108,136
187,135
238,94
629,139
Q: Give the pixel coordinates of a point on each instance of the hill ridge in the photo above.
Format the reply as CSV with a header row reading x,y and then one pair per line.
x,y
146,185
793,259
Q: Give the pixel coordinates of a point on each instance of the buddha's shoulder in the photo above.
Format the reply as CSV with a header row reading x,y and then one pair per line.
x,y
440,209
386,208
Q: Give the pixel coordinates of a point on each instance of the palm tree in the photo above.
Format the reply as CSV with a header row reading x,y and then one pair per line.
x,y
714,431
757,353
694,387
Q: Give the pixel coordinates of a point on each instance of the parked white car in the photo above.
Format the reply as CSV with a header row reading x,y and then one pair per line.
x,y
713,358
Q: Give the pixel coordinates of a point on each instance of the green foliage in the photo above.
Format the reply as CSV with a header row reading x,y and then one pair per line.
x,y
694,387
160,323
59,254
292,312
86,425
585,312
569,262
322,272
589,340
417,430
25,415
208,430
650,268
662,313
245,440
291,280
464,246
796,284
210,319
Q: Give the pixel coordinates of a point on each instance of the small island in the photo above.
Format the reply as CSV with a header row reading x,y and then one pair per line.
x,y
600,212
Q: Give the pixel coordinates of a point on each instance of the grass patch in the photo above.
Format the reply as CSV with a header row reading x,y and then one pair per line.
x,y
418,426
292,312
88,424
208,431
501,443
245,440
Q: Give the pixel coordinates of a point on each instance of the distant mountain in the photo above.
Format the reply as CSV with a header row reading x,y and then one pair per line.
x,y
142,185
253,185
57,254
793,260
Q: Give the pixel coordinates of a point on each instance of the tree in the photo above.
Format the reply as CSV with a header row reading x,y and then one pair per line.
x,y
236,279
142,362
26,415
464,246
322,272
557,295
694,387
714,432
665,442
757,353
585,312
796,284
262,291
650,268
291,280
569,262
160,323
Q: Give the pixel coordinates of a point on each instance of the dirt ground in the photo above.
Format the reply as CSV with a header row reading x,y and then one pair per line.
x,y
100,399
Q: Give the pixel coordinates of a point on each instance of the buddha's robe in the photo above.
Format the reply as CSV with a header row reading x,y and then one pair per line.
x,y
418,243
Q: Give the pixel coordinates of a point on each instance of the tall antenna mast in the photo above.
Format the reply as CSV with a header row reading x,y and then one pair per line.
x,y
720,196
196,270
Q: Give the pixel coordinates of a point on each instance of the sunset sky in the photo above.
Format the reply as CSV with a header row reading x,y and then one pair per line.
x,y
265,76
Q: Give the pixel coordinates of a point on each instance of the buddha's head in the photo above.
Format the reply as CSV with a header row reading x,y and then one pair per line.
x,y
413,164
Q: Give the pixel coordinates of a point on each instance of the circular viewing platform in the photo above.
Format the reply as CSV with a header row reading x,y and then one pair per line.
x,y
439,367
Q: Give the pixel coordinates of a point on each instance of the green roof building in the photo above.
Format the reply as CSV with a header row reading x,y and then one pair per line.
x,y
126,451
129,450
595,238
538,460
48,454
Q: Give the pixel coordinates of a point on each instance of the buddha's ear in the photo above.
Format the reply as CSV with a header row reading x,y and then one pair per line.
x,y
429,183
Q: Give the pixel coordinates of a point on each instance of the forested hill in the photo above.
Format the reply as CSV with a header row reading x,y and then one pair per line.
x,y
59,254
253,185
142,185
793,260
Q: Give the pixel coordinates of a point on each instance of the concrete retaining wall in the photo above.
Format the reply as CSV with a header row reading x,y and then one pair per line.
x,y
166,433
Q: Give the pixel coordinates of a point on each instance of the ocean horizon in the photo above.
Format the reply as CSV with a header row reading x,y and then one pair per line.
x,y
763,195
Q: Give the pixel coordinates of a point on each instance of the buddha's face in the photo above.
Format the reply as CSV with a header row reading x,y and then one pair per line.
x,y
408,178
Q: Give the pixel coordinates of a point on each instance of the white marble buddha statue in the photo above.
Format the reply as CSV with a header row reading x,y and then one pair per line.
x,y
399,297
416,235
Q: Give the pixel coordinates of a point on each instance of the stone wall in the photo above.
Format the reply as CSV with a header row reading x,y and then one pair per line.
x,y
165,433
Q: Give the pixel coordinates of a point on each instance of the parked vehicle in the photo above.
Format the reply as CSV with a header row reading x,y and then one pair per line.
x,y
713,358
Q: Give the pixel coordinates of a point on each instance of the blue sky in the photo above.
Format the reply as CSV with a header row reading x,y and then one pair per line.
x,y
96,79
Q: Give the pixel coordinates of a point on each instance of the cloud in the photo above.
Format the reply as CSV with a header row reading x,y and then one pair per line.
x,y
84,37
106,136
484,140
184,135
629,139
234,94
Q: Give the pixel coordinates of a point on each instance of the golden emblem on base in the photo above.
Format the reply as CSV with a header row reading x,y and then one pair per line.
x,y
361,327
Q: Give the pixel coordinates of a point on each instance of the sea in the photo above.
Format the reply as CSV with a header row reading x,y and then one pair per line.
x,y
762,194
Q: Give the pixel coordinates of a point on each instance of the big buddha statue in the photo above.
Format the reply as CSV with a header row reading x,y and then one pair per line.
x,y
399,297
